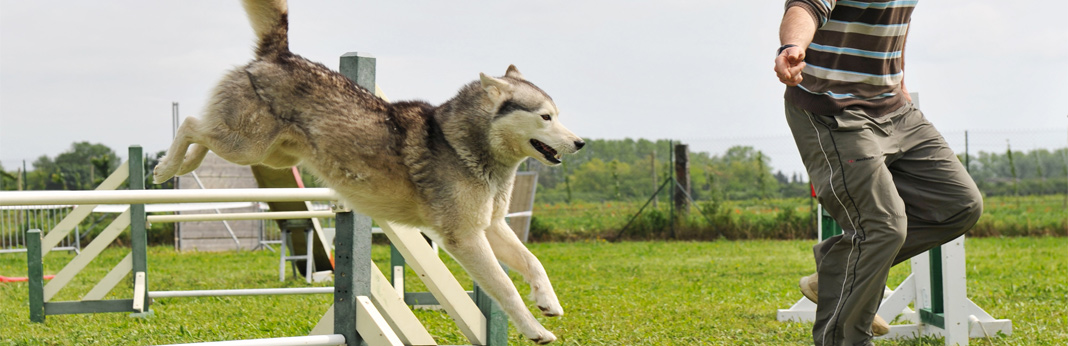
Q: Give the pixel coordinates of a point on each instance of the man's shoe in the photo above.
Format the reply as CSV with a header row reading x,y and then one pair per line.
x,y
809,286
879,326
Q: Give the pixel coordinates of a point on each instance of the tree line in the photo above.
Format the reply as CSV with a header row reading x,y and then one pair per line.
x,y
612,170
82,167
628,169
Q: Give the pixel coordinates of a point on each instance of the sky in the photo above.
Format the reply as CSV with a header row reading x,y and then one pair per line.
x,y
699,72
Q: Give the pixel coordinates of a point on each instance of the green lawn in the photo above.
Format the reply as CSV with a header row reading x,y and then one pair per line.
x,y
636,293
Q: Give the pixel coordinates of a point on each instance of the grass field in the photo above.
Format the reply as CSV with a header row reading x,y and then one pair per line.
x,y
631,293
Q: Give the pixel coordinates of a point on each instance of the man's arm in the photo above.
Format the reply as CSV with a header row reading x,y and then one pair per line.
x,y
797,28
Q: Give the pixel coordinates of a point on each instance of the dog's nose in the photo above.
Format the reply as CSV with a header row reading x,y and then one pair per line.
x,y
579,145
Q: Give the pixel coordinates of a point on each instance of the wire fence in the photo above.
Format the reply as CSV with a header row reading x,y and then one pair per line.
x,y
271,235
784,157
16,220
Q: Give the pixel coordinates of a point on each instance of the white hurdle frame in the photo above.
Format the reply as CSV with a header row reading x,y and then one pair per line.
x,y
377,311
962,319
358,321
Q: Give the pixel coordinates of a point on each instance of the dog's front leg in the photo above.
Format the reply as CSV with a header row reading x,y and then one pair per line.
x,y
510,250
473,252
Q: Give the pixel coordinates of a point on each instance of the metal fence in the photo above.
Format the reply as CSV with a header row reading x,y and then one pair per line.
x,y
16,220
271,235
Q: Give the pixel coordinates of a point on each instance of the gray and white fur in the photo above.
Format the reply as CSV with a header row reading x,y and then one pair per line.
x,y
447,170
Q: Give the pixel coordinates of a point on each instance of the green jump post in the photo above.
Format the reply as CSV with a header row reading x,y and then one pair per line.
x,y
830,225
352,272
138,225
936,314
361,69
496,320
395,260
356,248
35,273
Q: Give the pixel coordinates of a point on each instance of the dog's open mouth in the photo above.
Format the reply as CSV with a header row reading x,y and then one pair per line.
x,y
550,154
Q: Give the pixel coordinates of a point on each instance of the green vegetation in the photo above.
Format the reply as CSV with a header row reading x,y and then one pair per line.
x,y
631,170
617,170
737,194
1024,216
83,167
635,293
766,219
1015,173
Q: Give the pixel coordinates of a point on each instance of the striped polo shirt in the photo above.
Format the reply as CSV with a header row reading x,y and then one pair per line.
x,y
855,59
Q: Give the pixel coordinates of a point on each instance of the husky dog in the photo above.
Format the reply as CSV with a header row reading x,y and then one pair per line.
x,y
447,169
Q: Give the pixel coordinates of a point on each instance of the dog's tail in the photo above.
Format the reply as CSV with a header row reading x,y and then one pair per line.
x,y
270,21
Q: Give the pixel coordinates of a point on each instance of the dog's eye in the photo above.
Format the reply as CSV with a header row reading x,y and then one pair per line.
x,y
546,117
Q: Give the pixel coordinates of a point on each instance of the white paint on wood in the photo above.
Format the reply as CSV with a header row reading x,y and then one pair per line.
x,y
372,327
166,196
87,255
279,215
139,292
111,279
79,213
311,340
439,281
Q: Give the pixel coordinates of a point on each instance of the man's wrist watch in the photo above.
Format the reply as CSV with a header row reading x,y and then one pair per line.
x,y
784,47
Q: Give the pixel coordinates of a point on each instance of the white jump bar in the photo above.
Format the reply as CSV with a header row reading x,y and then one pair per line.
x,y
241,292
165,196
276,215
311,340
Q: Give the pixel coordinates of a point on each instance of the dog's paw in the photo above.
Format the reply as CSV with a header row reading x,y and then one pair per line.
x,y
547,302
158,179
551,311
544,337
159,174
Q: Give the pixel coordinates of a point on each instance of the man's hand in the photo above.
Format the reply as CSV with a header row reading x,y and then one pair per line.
x,y
788,65
796,30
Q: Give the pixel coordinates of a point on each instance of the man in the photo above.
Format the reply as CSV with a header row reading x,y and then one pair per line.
x,y
877,165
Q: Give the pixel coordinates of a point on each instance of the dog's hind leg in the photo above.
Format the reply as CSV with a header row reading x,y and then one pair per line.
x,y
170,164
473,252
510,250
193,157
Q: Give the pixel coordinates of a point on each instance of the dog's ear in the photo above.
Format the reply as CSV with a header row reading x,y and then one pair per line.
x,y
513,73
497,89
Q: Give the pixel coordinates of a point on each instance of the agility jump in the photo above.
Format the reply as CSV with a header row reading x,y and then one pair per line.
x,y
366,300
937,290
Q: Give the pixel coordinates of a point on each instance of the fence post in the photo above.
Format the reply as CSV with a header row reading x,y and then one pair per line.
x,y
352,272
682,174
496,320
35,274
138,231
360,68
396,270
936,314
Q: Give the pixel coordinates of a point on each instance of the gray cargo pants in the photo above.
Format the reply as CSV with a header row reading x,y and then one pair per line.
x,y
897,190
